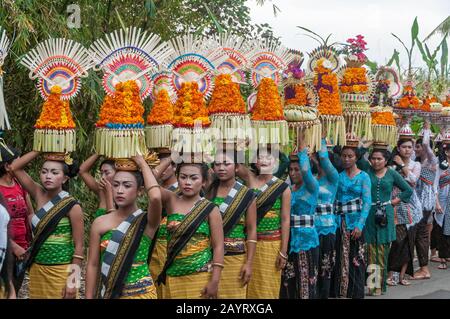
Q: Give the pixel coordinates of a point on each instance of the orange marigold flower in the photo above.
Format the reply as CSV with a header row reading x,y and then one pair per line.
x,y
354,81
268,105
383,118
190,106
55,112
125,107
329,102
162,109
300,98
226,97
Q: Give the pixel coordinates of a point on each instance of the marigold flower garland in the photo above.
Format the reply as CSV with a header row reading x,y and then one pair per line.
x,y
190,107
409,99
55,112
300,97
354,81
125,107
326,84
268,105
162,110
426,106
226,97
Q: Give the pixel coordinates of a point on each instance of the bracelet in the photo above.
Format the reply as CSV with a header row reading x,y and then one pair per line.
x,y
218,265
78,256
153,186
252,241
282,256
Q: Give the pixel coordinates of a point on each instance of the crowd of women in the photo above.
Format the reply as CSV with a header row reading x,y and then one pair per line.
x,y
340,225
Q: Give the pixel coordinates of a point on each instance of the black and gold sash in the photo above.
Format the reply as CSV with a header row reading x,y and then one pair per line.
x,y
184,232
44,224
234,205
267,197
119,255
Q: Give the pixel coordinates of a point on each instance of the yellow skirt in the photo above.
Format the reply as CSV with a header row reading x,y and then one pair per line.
x,y
157,264
47,281
186,287
230,286
266,278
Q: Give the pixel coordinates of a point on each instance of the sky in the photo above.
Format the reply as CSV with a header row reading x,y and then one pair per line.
x,y
375,20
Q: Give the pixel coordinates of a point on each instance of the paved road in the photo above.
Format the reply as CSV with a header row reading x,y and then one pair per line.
x,y
438,287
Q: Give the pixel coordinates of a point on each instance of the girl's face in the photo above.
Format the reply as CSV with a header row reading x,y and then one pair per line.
x,y
265,163
125,189
224,167
405,150
52,175
418,150
190,180
378,161
108,172
348,157
295,174
168,173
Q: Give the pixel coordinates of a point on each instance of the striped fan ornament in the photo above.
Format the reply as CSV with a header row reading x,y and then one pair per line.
x,y
163,80
4,48
326,52
129,54
194,60
269,61
239,52
58,62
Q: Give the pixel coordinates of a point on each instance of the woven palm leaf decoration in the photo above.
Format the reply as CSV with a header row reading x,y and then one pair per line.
x,y
227,107
58,65
4,48
267,118
128,58
193,64
300,101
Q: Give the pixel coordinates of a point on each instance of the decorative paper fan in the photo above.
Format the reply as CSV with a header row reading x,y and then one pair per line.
x,y
194,60
4,48
395,86
270,59
251,100
239,52
58,62
129,54
326,52
163,80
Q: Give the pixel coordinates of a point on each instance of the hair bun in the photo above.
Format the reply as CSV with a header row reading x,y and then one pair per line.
x,y
74,168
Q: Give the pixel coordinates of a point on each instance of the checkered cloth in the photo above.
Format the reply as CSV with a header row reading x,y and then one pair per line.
x,y
302,221
324,209
229,199
46,208
268,184
113,245
352,206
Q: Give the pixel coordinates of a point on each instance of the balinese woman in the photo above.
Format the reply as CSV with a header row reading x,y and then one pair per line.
x,y
324,220
353,201
56,251
299,279
380,226
101,188
120,241
237,205
401,254
273,205
165,172
194,238
427,191
442,214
